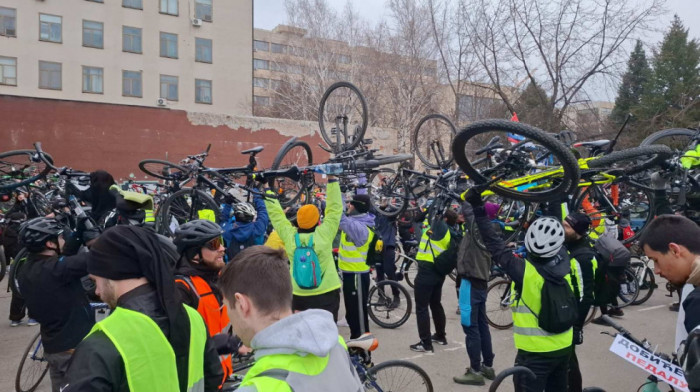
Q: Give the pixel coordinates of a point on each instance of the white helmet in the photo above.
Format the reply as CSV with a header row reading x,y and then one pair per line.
x,y
244,212
544,237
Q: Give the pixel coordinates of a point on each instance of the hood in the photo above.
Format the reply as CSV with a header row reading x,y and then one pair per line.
x,y
365,218
242,232
309,332
553,268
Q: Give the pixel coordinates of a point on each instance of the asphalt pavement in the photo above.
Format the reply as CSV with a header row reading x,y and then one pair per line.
x,y
599,366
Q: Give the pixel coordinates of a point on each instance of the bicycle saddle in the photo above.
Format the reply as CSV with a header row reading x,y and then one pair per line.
x,y
253,150
365,342
594,143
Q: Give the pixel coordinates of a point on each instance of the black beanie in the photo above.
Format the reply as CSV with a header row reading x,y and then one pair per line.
x,y
580,222
361,203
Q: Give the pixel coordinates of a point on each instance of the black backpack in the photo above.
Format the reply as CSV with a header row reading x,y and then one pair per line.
x,y
559,309
611,252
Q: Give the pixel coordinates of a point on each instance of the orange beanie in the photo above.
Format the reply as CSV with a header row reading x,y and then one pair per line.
x,y
307,216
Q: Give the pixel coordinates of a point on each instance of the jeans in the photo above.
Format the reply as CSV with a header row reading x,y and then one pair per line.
x,y
388,267
551,372
329,301
428,296
472,306
356,302
58,365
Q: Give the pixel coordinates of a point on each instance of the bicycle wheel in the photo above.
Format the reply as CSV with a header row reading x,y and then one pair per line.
x,y
629,288
386,192
297,153
510,219
163,169
344,102
678,139
410,272
183,206
632,160
32,367
390,304
21,167
397,375
432,139
519,176
3,263
498,312
645,281
591,315
40,202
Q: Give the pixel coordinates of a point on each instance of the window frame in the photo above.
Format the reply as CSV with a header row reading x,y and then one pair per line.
x,y
161,45
140,80
196,50
2,75
255,46
60,41
3,29
102,77
284,48
140,39
177,86
266,61
102,43
211,10
211,91
265,85
259,97
132,7
177,7
60,75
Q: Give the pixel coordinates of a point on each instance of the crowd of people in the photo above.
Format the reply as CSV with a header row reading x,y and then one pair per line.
x,y
264,279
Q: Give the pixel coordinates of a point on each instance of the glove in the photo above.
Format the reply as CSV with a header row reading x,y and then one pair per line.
x,y
226,344
473,197
578,336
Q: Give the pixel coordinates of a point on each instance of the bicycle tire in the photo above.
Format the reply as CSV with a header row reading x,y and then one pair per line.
x,y
569,164
19,387
378,306
648,282
509,233
393,192
3,263
657,152
425,159
15,265
40,202
529,374
665,133
388,160
410,273
27,153
494,291
143,165
631,291
591,315
408,384
292,198
185,213
325,134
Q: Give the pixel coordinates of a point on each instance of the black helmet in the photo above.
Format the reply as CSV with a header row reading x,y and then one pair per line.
x,y
195,233
34,233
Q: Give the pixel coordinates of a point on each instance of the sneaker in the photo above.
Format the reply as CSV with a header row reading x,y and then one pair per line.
x,y
488,372
616,312
420,348
674,307
15,323
470,377
31,322
439,340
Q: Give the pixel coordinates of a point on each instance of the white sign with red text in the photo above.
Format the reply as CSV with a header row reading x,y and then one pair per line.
x,y
664,370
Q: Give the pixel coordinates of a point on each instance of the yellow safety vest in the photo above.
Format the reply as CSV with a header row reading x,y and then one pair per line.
x,y
352,258
429,249
149,359
578,275
527,334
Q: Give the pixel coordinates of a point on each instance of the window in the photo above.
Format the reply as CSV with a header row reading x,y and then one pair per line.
x,y
93,34
261,82
168,45
8,71
262,101
202,91
275,84
131,84
8,22
50,28
261,46
131,39
203,10
92,80
278,48
202,50
168,87
168,7
279,67
138,4
49,75
261,64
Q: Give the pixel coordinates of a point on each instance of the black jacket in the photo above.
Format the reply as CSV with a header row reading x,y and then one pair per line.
x,y
187,296
55,298
473,263
97,366
691,365
582,251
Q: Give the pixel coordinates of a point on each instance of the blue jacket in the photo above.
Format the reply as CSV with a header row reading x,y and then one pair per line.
x,y
242,232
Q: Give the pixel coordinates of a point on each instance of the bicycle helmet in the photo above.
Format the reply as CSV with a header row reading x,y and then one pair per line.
x,y
544,237
244,212
195,233
35,232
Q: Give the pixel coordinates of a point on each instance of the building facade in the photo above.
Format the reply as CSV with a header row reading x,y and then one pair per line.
x,y
191,55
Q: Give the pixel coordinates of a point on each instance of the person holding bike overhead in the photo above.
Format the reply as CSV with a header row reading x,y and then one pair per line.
x,y
543,334
245,227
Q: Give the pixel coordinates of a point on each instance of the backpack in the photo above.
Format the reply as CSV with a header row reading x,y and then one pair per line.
x,y
559,307
307,269
611,253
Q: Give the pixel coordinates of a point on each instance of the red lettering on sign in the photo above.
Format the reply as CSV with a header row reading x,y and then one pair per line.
x,y
631,357
650,368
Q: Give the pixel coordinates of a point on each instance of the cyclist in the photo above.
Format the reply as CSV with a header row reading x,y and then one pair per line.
x,y
546,354
9,239
201,259
672,241
246,227
50,283
150,342
437,250
327,295
583,266
356,236
293,351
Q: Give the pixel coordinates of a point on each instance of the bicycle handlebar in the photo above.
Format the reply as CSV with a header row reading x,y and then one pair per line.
x,y
627,334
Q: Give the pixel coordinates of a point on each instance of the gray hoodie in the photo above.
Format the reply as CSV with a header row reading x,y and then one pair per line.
x,y
314,332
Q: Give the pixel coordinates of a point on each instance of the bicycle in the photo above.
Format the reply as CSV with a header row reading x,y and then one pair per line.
x,y
388,310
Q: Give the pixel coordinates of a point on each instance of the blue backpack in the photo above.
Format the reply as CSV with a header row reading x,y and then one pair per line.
x,y
307,269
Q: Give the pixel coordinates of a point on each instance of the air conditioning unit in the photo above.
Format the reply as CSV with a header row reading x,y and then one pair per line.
x,y
162,102
197,22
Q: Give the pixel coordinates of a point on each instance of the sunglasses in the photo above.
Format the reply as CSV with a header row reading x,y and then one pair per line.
x,y
214,244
